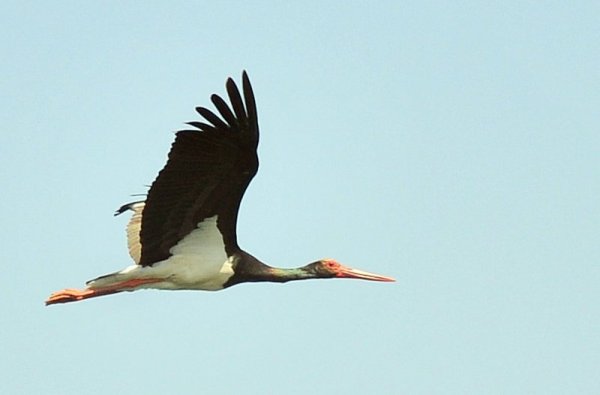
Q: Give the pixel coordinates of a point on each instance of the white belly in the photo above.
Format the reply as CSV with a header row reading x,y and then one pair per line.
x,y
198,262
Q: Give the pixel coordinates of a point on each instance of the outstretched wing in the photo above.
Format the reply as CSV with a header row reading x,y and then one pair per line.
x,y
207,173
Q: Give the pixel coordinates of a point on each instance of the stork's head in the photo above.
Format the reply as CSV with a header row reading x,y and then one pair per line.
x,y
328,268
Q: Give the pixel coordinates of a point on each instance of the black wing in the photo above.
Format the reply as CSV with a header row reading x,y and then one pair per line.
x,y
207,173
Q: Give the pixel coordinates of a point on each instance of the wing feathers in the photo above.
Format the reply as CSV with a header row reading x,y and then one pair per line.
x,y
212,118
236,99
133,228
202,126
207,173
224,110
250,104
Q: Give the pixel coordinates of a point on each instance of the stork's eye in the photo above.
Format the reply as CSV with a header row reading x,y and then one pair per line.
x,y
330,264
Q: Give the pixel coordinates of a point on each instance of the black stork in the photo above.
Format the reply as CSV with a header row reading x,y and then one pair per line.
x,y
183,237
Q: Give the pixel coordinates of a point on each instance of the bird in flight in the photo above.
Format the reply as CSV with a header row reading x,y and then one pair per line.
x,y
183,236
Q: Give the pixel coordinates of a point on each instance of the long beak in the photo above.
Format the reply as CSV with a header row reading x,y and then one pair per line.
x,y
347,272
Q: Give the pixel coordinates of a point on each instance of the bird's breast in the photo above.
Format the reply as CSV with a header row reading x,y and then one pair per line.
x,y
199,260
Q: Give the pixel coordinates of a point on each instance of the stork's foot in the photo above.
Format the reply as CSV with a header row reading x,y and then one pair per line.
x,y
70,295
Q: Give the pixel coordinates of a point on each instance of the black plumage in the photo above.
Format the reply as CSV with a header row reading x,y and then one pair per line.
x,y
207,173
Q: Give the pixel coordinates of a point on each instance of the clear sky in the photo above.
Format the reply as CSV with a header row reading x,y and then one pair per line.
x,y
452,146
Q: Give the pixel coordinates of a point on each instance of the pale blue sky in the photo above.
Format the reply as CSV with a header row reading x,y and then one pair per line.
x,y
454,147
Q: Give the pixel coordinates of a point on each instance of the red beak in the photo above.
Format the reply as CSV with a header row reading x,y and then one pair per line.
x,y
347,272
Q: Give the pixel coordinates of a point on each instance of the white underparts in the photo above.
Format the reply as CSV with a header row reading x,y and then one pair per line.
x,y
198,262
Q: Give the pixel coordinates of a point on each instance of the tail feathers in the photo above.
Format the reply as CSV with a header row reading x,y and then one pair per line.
x,y
101,279
112,278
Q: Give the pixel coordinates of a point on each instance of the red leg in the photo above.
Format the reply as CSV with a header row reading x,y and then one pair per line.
x,y
73,295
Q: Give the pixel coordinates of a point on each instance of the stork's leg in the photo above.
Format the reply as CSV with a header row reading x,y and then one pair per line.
x,y
73,295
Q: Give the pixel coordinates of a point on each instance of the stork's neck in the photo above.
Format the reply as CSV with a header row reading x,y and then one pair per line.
x,y
274,274
249,269
281,275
